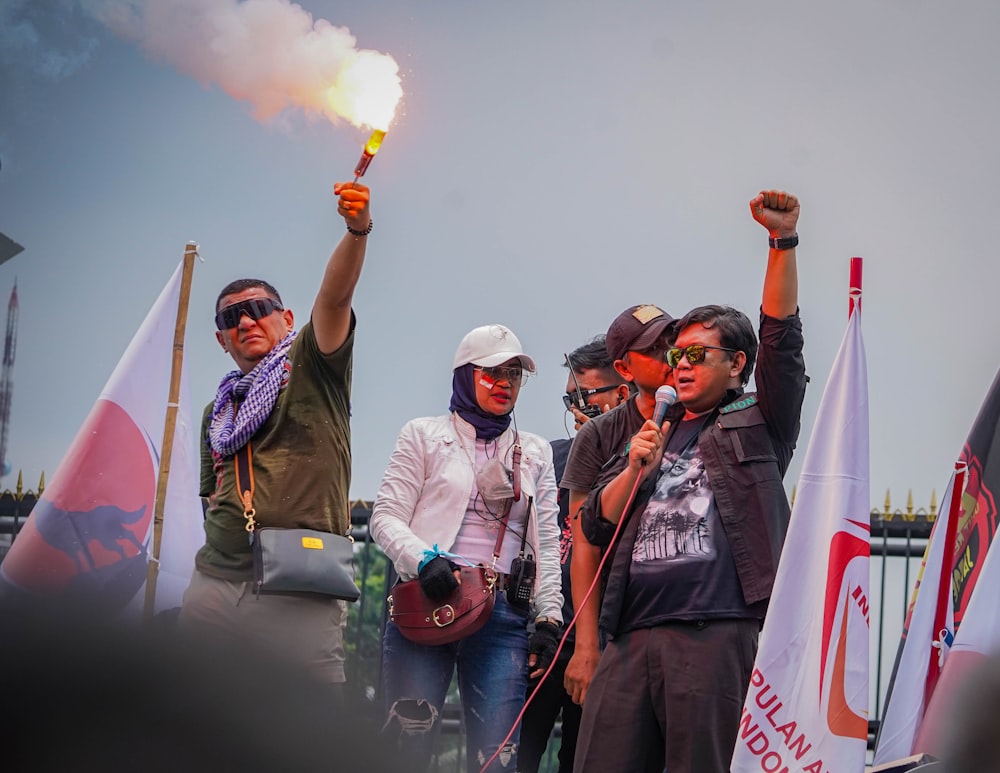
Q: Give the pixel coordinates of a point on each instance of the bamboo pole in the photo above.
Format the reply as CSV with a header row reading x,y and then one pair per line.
x,y
169,424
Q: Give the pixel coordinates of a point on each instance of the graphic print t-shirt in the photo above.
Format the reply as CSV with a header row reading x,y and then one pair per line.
x,y
682,567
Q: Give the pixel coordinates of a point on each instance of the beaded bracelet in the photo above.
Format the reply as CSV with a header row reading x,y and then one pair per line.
x,y
367,231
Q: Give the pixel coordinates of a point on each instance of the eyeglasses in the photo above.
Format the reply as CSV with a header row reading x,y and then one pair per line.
x,y
255,308
695,353
578,397
513,375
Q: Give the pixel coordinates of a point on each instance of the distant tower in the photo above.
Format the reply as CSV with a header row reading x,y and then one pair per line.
x,y
7,377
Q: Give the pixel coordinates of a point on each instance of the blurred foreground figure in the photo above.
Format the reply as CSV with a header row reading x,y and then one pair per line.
x,y
80,693
970,737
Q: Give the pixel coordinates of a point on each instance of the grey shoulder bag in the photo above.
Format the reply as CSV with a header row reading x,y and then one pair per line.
x,y
294,560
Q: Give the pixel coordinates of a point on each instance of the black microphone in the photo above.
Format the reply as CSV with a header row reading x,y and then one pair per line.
x,y
666,396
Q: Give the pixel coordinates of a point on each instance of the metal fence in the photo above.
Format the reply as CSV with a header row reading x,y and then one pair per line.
x,y
898,541
14,509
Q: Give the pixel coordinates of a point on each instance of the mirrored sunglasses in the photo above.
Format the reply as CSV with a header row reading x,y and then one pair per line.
x,y
255,308
695,353
513,376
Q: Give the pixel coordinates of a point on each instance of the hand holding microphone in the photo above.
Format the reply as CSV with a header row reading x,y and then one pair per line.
x,y
645,444
645,450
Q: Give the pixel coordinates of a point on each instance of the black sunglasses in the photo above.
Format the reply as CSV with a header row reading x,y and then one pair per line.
x,y
255,308
578,397
695,353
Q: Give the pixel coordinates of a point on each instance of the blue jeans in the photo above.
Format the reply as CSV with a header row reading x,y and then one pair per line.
x,y
492,678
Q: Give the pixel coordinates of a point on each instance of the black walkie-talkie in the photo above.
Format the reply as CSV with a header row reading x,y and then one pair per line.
x,y
521,581
521,578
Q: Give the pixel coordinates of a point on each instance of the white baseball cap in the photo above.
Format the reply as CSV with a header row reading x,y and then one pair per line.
x,y
491,345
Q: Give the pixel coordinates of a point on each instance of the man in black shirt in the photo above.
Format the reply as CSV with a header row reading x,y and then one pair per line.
x,y
705,515
593,388
636,342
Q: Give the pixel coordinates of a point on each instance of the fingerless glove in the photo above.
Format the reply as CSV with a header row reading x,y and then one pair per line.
x,y
543,644
436,579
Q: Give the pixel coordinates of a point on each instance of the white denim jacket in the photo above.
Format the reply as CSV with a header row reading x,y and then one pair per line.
x,y
425,492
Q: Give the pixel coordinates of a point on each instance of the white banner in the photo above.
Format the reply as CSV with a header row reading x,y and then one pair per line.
x,y
806,708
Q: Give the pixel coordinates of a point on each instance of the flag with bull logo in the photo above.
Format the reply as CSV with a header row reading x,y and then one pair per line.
x,y
806,706
89,535
911,722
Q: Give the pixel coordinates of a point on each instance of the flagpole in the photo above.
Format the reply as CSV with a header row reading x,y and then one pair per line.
x,y
153,567
944,585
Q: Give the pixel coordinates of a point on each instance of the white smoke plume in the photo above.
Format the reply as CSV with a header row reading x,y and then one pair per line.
x,y
270,53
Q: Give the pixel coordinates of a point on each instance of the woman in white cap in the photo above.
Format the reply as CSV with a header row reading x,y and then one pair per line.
x,y
440,506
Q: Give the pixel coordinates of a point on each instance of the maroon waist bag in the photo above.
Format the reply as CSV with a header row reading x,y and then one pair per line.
x,y
463,613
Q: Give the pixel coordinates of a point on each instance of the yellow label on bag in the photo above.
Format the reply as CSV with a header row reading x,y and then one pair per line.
x,y
313,543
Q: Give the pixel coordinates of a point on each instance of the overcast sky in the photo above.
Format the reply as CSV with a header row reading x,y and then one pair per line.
x,y
551,163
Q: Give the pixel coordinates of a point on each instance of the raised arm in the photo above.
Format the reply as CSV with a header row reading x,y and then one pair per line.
x,y
331,313
778,212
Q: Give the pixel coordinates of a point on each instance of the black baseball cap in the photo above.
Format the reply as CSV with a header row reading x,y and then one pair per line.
x,y
637,328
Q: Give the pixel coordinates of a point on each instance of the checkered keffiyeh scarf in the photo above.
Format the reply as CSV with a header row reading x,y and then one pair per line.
x,y
257,390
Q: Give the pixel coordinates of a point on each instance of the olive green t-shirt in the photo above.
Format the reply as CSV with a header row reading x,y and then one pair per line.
x,y
301,460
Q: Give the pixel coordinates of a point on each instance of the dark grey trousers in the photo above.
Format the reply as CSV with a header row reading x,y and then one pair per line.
x,y
668,696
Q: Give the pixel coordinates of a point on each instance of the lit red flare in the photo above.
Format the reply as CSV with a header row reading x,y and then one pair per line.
x,y
371,148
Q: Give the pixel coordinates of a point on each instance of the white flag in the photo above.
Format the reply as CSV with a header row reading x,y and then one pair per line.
x,y
89,534
806,708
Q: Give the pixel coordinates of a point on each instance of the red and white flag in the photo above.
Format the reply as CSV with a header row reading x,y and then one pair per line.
x,y
90,532
978,637
807,704
928,632
975,571
915,706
